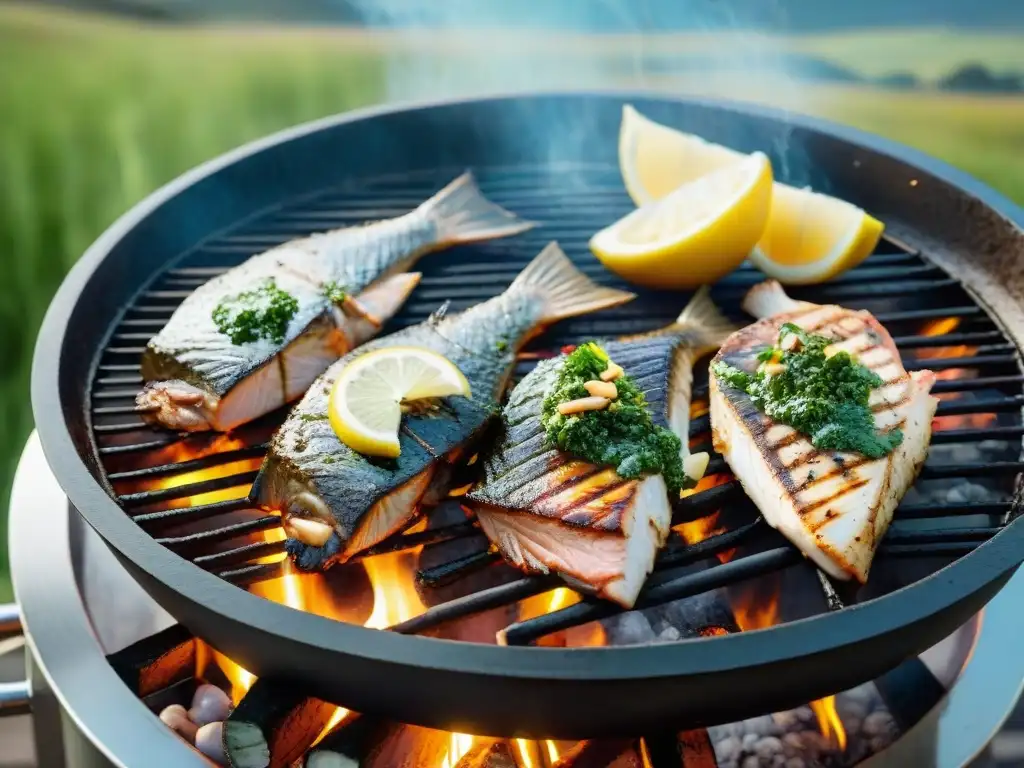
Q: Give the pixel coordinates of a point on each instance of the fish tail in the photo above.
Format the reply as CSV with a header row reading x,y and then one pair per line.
x,y
768,298
702,320
463,215
565,291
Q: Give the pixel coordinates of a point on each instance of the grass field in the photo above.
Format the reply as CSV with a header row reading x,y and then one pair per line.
x,y
96,114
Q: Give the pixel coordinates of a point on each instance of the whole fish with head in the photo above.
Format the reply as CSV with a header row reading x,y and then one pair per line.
x,y
548,511
255,338
336,502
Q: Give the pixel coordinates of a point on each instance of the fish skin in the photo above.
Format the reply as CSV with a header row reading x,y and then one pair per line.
x,y
306,457
835,507
190,355
602,530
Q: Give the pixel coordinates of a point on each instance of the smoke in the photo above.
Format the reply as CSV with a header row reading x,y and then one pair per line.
x,y
457,48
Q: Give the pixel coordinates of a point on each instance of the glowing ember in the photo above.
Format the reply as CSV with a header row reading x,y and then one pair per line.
x,y
552,750
713,631
588,635
460,745
828,721
941,327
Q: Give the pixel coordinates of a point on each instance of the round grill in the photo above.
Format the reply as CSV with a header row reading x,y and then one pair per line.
x,y
174,509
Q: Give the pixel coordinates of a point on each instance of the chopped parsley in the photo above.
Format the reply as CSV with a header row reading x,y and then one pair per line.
x,y
501,345
825,397
622,435
335,292
262,313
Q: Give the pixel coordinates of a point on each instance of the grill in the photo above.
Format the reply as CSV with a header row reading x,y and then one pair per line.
x,y
174,509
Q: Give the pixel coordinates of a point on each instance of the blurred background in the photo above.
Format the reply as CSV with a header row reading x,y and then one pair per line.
x,y
102,101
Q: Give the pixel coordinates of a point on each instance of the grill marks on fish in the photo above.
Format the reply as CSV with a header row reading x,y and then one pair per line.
x,y
834,506
550,512
197,379
309,472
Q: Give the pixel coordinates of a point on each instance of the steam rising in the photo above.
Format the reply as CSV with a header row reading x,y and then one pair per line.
x,y
460,48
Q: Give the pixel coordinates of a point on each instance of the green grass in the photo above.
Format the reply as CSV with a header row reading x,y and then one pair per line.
x,y
96,114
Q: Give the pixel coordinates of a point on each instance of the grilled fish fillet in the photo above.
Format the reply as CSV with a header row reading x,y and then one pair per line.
x,y
548,512
835,507
198,379
319,483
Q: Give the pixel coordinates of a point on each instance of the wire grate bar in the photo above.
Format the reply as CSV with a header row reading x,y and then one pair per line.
x,y
203,462
187,544
974,339
116,381
928,314
963,408
241,554
152,445
184,491
191,514
976,435
964,385
525,632
947,363
921,511
987,469
896,536
122,428
484,600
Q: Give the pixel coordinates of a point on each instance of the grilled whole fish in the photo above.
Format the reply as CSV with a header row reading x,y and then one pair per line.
x,y
336,502
548,512
346,283
835,507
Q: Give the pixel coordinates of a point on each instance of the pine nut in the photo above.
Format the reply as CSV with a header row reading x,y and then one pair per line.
x,y
612,372
582,405
695,465
601,389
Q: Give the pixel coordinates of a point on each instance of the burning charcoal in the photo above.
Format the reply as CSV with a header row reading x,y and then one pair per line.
x,y
209,705
598,753
156,662
968,492
409,746
176,718
630,628
345,746
486,753
273,726
210,741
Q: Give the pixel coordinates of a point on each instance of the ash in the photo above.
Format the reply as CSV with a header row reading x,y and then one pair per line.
x,y
793,739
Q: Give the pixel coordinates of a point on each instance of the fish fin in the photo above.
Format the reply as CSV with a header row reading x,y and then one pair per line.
x,y
702,320
566,291
463,215
439,314
768,298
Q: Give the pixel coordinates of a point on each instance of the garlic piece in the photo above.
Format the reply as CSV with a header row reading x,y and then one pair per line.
x,y
176,718
311,532
695,465
209,704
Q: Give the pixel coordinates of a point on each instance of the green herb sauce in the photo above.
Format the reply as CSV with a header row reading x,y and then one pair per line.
x,y
262,313
622,435
826,398
335,292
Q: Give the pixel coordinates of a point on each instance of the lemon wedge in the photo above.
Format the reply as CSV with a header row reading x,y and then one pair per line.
x,y
698,233
655,159
811,237
365,404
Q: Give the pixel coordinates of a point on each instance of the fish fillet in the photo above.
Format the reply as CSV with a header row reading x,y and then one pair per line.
x,y
346,283
835,507
548,512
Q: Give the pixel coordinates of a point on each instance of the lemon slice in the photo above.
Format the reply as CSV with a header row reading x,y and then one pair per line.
x,y
811,237
700,232
655,159
365,405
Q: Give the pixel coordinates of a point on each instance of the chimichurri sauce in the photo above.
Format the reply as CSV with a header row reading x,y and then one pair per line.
x,y
622,435
823,395
262,313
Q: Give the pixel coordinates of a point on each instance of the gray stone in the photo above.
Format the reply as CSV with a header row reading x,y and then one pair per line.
x,y
631,628
669,634
794,740
727,749
768,747
964,493
786,721
795,762
750,762
762,726
749,740
879,724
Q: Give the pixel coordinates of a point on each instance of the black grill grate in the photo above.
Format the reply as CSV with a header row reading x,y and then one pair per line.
x,y
152,472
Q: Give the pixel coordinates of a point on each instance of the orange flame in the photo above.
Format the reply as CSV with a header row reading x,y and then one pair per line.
x,y
527,753
941,327
460,745
181,451
828,721
589,635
